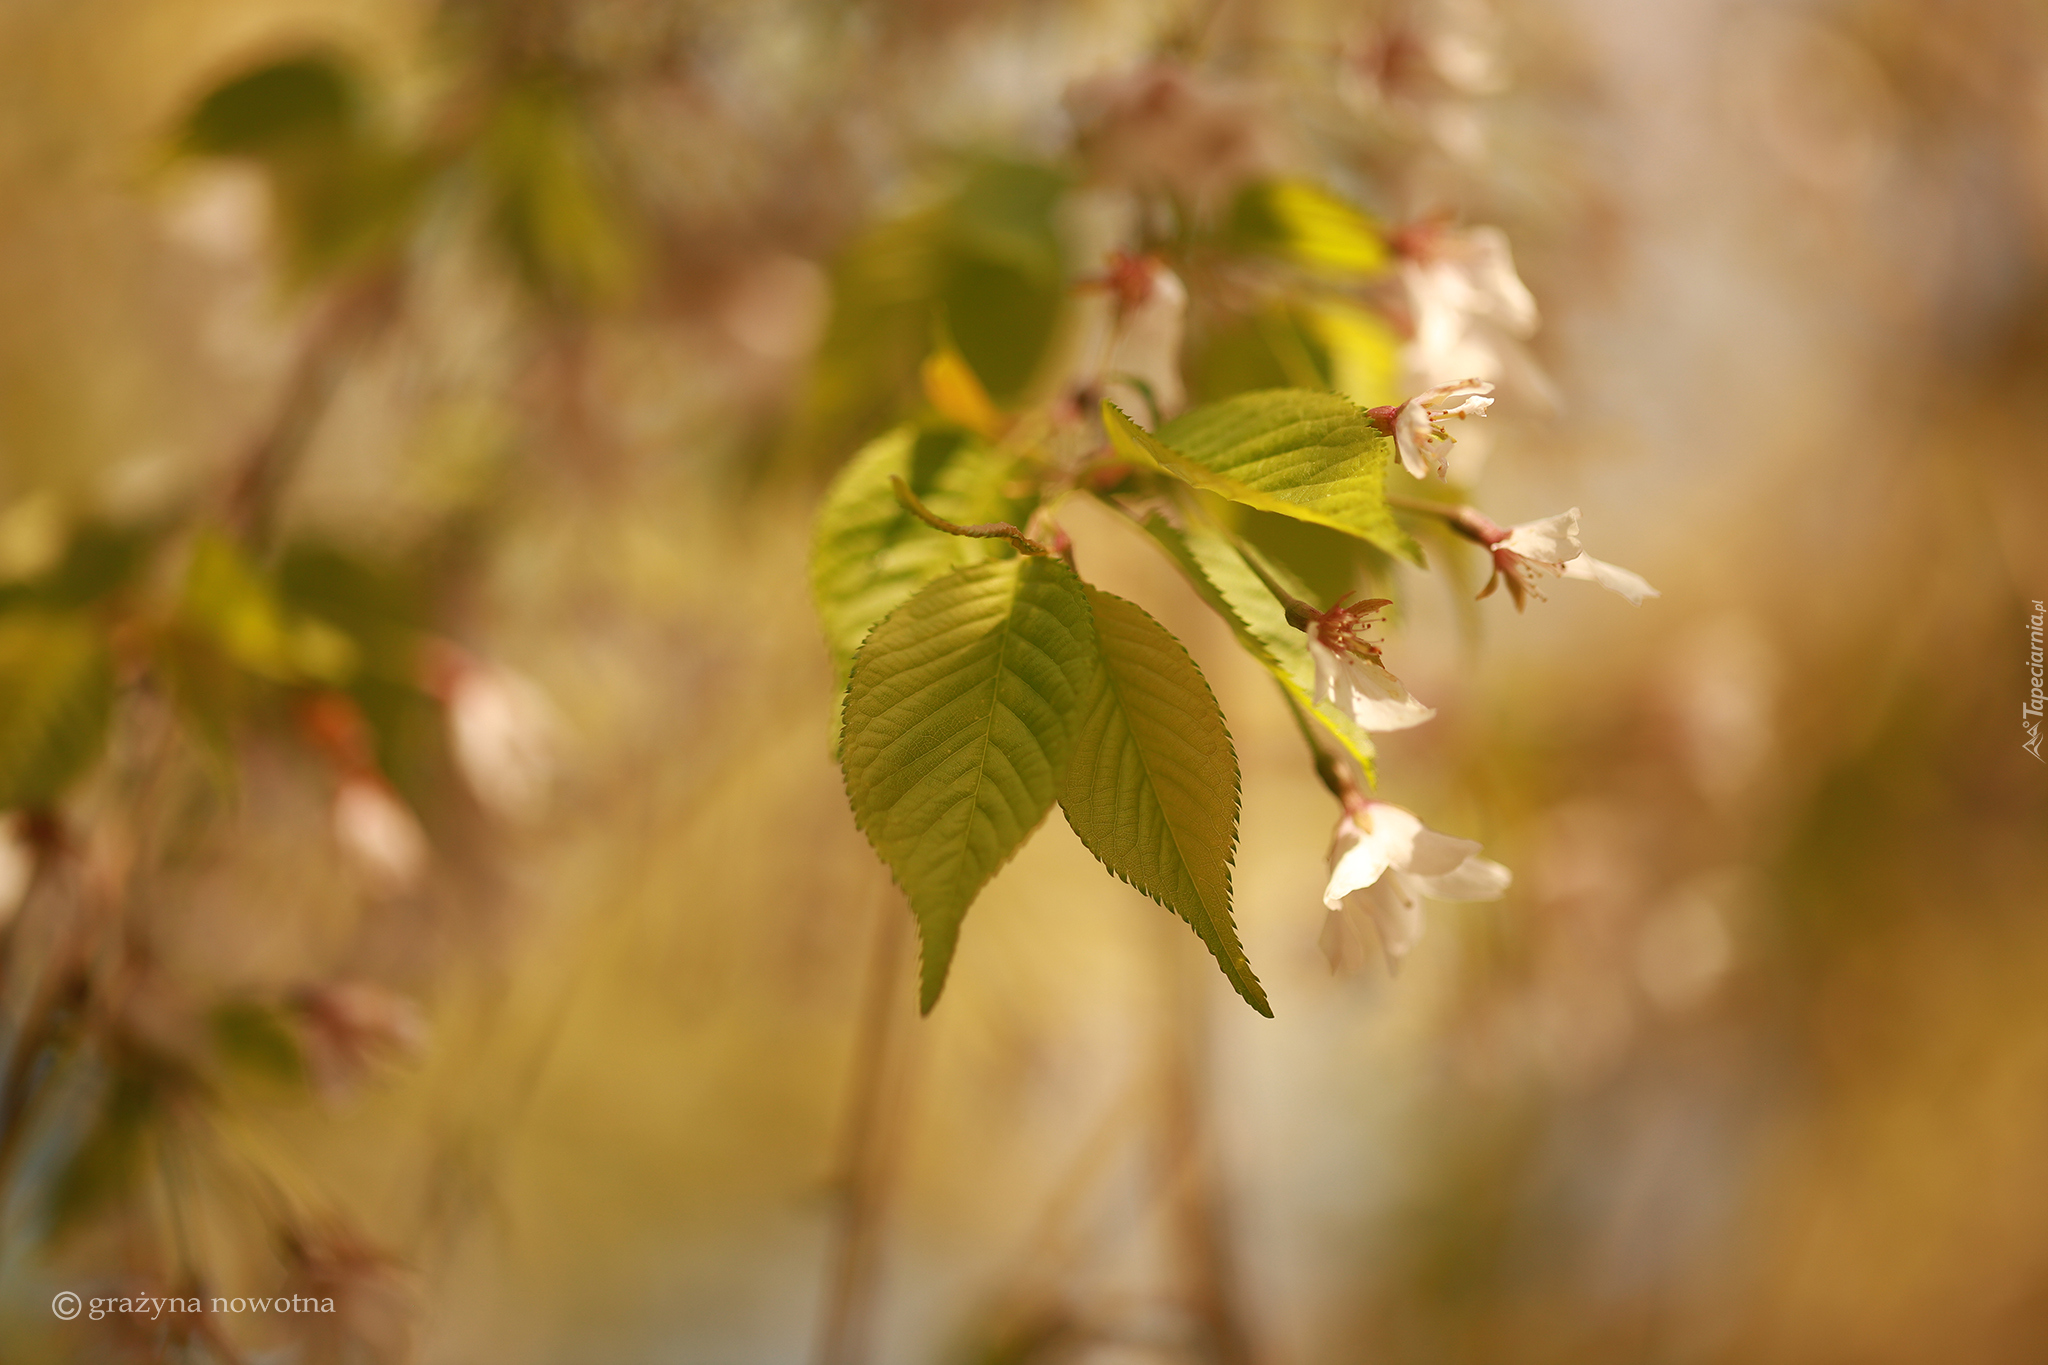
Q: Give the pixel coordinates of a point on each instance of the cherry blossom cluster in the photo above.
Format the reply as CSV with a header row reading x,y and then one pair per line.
x,y
1454,295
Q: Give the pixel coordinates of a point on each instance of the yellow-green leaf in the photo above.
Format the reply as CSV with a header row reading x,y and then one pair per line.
x,y
1218,571
1364,351
230,601
870,554
960,718
1152,788
56,695
1308,225
1312,456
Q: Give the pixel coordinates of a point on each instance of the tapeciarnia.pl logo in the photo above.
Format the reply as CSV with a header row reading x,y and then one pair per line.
x,y
2030,710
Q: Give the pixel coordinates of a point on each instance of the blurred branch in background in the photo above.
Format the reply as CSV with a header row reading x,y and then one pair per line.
x,y
885,1065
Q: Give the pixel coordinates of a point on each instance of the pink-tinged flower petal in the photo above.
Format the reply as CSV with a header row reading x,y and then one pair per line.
x,y
1340,943
1414,441
1394,908
1358,858
1395,827
1612,577
17,867
1467,398
379,834
1497,292
1550,541
503,730
1374,698
1474,879
1383,862
1434,855
1327,665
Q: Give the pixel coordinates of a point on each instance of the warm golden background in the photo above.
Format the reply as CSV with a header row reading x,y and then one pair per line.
x,y
1751,1065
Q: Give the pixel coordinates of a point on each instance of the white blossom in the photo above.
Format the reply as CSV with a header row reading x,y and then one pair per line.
x,y
1424,60
17,866
1468,310
1522,553
1454,277
1148,340
1612,577
1349,674
1383,863
379,834
1162,128
1417,425
503,730
1128,349
348,1025
1364,690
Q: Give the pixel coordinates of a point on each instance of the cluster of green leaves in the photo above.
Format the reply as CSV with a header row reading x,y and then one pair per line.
x,y
349,193
984,269
985,679
237,644
520,155
232,638
981,678
1310,324
57,665
983,272
246,640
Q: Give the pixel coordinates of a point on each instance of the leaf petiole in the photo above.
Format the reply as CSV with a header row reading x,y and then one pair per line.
x,y
985,530
1465,521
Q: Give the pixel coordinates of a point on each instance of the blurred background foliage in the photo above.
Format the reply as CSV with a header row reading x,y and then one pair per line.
x,y
426,884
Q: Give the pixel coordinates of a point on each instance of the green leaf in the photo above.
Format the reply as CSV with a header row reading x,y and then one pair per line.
x,y
98,561
1152,787
108,1160
1313,562
232,603
870,553
553,199
1309,226
983,269
379,605
1364,351
1278,345
866,368
307,97
1001,272
56,695
256,1039
1218,571
1312,456
345,197
960,718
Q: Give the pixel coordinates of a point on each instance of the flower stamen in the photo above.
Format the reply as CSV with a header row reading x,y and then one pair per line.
x,y
1346,629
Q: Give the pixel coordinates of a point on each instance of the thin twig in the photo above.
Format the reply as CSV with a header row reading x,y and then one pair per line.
x,y
872,1144
42,1028
1201,1225
984,530
1329,770
350,319
1468,522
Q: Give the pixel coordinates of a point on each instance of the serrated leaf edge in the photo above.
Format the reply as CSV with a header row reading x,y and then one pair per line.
x,y
1256,995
